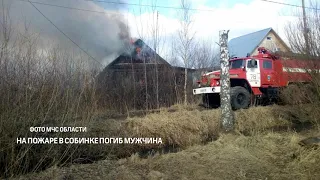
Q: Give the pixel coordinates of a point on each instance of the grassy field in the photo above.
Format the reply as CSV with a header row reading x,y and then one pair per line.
x,y
263,146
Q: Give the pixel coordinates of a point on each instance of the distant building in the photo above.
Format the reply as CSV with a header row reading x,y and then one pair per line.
x,y
249,43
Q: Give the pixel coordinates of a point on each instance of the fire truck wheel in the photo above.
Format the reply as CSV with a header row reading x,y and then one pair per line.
x,y
240,97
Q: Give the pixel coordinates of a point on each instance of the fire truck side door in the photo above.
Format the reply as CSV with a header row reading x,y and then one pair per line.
x,y
253,72
267,72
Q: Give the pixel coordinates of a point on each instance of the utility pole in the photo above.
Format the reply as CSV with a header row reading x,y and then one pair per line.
x,y
305,29
227,119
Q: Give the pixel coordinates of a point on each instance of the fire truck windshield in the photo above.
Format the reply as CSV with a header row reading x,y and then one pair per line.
x,y
235,64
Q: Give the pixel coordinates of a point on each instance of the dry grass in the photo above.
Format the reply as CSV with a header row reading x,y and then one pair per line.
x,y
301,113
254,152
259,119
183,127
296,94
268,156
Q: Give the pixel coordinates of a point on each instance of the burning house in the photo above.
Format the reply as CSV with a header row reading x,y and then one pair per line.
x,y
140,78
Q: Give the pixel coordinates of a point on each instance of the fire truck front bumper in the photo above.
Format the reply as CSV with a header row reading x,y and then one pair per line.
x,y
205,90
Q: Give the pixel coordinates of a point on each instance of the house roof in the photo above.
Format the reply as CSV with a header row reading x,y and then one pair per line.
x,y
144,51
245,44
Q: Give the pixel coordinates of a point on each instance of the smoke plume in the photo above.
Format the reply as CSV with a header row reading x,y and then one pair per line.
x,y
102,35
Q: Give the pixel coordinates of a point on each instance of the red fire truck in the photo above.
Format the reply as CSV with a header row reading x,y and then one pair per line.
x,y
255,79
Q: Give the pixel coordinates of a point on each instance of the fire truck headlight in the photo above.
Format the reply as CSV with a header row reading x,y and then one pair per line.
x,y
217,83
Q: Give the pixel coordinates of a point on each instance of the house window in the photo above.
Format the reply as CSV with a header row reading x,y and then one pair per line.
x,y
267,64
277,49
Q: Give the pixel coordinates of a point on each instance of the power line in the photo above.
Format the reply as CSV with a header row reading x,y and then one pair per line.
x,y
145,5
67,7
111,2
63,32
148,5
192,9
287,4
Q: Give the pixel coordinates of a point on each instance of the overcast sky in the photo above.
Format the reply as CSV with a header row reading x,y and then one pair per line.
x,y
240,16
98,33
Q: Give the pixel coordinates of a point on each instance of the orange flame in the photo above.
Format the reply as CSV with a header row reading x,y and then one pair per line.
x,y
138,50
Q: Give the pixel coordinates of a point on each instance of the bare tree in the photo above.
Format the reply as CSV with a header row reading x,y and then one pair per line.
x,y
5,31
207,55
226,111
155,37
304,34
151,35
186,37
174,61
142,34
40,85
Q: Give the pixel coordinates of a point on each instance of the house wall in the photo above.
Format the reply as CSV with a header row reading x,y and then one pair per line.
x,y
271,44
122,87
